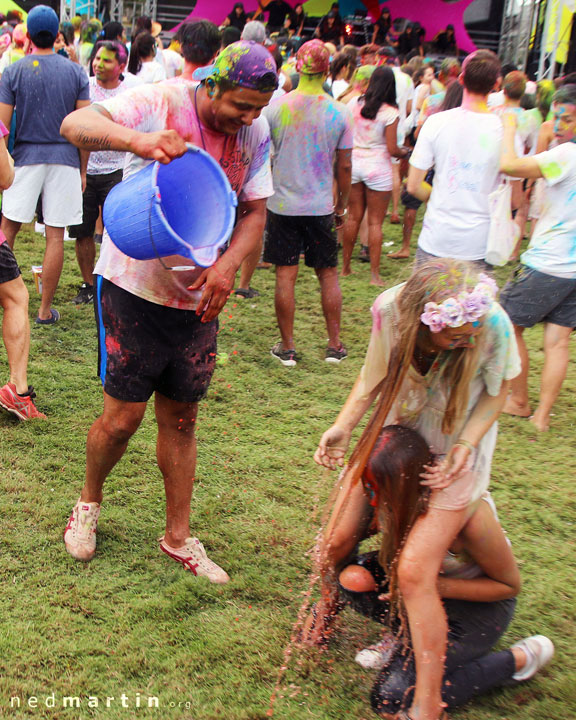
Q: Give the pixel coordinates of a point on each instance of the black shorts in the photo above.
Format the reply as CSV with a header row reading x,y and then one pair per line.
x,y
9,269
531,297
289,235
97,189
144,347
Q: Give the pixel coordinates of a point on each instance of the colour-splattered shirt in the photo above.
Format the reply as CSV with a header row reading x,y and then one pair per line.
x,y
422,399
105,161
464,148
306,132
45,88
243,157
552,249
370,134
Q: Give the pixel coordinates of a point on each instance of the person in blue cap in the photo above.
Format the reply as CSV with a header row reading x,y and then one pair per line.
x,y
157,328
46,87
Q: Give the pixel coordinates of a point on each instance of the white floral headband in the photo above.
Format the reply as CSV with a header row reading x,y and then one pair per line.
x,y
465,308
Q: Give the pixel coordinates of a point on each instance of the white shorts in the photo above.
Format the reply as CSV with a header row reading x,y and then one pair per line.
x,y
61,190
375,173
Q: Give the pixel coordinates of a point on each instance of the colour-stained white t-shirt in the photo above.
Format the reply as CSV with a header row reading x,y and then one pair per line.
x,y
464,148
370,134
552,249
306,132
244,157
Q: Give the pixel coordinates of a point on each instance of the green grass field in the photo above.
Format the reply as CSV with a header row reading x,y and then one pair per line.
x,y
132,622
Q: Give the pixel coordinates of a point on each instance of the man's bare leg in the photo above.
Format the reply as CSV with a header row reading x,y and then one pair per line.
x,y
556,359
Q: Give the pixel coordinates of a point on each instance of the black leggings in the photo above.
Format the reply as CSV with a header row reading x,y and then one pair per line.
x,y
471,669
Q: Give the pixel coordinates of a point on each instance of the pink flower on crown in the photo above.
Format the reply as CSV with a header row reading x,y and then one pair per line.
x,y
433,317
474,305
452,312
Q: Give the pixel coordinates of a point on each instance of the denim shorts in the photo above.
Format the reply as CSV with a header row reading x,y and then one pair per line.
x,y
531,297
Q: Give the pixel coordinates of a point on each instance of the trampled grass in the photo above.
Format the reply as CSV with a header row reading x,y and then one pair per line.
x,y
133,623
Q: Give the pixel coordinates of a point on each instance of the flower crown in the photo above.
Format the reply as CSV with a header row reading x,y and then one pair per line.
x,y
465,308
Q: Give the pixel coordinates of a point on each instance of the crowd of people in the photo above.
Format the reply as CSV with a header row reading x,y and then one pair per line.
x,y
316,144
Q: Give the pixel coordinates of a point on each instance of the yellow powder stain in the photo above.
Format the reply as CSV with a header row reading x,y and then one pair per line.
x,y
35,63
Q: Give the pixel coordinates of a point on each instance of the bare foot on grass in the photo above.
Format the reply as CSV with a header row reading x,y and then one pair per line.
x,y
378,282
399,254
540,423
346,272
512,407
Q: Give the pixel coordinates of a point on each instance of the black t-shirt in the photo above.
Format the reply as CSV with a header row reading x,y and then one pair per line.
x,y
408,42
445,42
383,25
237,21
277,9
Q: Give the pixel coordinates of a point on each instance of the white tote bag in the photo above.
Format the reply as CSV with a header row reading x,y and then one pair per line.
x,y
503,232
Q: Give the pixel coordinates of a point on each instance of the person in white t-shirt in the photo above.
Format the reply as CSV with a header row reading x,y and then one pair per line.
x,y
463,145
375,118
142,61
543,288
104,169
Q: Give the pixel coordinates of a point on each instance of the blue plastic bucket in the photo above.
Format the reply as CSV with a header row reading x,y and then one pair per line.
x,y
184,208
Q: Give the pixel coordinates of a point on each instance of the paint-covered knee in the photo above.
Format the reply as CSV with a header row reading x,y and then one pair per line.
x,y
122,426
357,579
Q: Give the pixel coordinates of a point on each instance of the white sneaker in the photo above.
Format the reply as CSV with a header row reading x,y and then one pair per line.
x,y
378,656
193,557
539,651
80,533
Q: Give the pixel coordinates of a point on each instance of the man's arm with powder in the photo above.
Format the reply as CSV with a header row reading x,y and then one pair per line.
x,y
343,173
416,185
510,163
216,282
92,128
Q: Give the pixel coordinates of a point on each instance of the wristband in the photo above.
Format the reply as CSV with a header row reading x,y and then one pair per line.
x,y
341,215
466,444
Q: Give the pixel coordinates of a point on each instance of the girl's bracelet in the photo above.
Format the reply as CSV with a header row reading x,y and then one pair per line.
x,y
466,444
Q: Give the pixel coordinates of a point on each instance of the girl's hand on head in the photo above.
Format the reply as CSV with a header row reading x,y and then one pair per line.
x,y
332,448
457,463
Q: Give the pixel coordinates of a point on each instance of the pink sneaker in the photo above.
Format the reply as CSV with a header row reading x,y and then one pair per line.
x,y
20,405
193,556
80,533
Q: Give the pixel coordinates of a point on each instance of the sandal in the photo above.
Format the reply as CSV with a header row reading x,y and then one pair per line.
x,y
247,293
54,317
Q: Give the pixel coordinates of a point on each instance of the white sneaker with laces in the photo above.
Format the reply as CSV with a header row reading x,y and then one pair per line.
x,y
377,656
193,557
539,650
80,533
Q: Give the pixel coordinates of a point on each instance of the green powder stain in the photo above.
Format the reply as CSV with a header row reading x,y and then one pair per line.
x,y
551,170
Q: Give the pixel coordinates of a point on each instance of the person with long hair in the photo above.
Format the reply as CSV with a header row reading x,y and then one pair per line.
x,y
440,358
375,141
478,582
236,17
341,72
142,59
358,84
296,20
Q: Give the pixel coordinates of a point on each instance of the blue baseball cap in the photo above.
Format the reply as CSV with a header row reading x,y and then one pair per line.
x,y
42,19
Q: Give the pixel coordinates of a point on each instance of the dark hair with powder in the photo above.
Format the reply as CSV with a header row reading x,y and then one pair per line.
x,y
115,46
144,46
381,91
566,94
199,41
453,97
480,71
